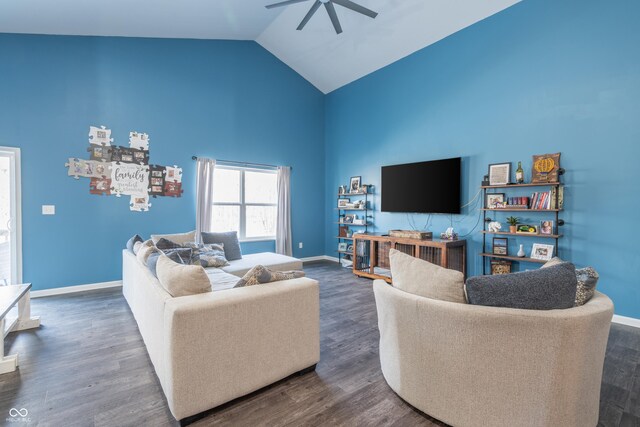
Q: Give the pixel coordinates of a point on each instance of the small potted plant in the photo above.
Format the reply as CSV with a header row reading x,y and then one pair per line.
x,y
513,222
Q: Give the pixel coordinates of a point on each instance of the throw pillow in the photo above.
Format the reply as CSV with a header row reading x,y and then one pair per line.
x,y
136,247
179,238
543,289
261,274
587,281
208,255
180,255
229,241
164,244
180,280
152,263
420,277
145,250
132,241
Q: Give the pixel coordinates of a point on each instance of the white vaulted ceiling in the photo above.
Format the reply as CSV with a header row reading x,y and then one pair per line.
x,y
325,59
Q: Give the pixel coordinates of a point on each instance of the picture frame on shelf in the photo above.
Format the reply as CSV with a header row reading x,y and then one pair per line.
x,y
342,189
354,184
500,246
349,248
492,200
526,229
343,203
542,252
343,231
499,173
546,227
500,267
348,219
342,246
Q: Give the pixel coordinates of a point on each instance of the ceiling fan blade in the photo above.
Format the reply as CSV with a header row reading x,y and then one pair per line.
x,y
356,8
314,7
284,3
334,18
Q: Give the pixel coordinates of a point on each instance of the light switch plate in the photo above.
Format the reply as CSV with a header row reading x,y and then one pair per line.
x,y
48,209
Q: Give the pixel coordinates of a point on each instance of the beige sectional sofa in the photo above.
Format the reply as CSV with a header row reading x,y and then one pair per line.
x,y
211,348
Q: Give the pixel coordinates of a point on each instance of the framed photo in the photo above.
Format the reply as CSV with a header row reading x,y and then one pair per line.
x,y
546,227
499,173
342,189
343,230
526,229
343,203
342,246
500,267
500,246
348,219
354,184
494,200
542,252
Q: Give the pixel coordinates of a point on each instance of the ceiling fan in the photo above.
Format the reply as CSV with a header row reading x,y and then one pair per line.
x,y
328,4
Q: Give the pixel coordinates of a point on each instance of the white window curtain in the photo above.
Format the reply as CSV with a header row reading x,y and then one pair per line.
x,y
283,227
204,195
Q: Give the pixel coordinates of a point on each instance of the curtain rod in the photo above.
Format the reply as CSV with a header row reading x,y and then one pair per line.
x,y
240,163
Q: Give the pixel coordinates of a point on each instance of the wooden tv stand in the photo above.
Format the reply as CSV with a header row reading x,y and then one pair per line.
x,y
371,253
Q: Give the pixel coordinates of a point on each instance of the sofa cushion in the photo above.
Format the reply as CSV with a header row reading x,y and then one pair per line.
x,y
261,274
587,280
270,260
420,277
543,289
229,241
145,250
180,280
132,241
179,238
220,280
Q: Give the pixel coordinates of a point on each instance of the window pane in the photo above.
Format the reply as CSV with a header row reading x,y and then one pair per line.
x,y
226,218
260,187
261,221
226,186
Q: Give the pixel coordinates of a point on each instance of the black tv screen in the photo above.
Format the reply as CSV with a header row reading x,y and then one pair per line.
x,y
425,187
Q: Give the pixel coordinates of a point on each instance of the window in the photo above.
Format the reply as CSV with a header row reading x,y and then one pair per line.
x,y
245,200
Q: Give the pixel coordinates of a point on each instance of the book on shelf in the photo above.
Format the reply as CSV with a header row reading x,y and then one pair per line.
x,y
547,199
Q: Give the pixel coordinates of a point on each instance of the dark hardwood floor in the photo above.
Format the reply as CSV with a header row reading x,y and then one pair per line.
x,y
87,365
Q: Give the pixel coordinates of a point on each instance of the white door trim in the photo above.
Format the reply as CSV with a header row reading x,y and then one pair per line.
x,y
16,211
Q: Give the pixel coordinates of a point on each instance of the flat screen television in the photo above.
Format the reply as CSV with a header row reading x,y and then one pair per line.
x,y
424,187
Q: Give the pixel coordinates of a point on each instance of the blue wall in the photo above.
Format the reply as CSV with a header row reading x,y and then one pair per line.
x,y
222,99
542,76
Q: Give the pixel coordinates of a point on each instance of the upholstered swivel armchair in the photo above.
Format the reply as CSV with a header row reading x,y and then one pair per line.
x,y
469,365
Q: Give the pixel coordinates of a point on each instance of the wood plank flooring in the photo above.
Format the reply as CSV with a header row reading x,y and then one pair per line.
x,y
87,366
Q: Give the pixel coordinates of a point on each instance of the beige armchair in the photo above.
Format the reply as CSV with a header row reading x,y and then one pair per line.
x,y
470,365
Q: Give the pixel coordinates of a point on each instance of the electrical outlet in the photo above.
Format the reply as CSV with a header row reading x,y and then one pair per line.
x,y
48,210
300,245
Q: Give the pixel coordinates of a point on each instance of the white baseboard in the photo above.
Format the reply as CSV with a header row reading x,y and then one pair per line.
x,y
74,289
319,258
623,320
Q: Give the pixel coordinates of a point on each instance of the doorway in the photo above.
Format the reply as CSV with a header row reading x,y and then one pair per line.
x,y
10,217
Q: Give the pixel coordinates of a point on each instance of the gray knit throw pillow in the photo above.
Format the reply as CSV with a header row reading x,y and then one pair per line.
x,y
261,274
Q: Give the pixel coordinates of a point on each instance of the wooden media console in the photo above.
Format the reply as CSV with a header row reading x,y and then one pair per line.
x,y
371,253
